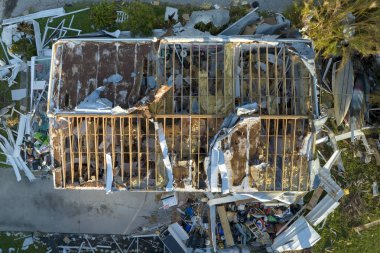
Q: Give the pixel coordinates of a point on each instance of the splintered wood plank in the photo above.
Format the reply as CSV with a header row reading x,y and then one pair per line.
x,y
226,226
314,198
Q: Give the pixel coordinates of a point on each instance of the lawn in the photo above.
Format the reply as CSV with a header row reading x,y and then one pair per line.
x,y
356,208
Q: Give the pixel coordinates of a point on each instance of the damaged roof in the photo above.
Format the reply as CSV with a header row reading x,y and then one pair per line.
x,y
189,86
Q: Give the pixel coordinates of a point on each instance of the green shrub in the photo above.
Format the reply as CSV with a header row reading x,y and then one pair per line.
x,y
103,15
24,48
294,13
327,25
237,12
140,19
209,27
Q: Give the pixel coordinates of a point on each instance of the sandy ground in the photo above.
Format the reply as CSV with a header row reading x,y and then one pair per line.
x,y
37,206
13,8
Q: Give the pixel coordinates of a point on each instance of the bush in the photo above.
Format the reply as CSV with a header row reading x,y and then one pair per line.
x,y
140,19
331,26
103,15
294,13
24,47
209,27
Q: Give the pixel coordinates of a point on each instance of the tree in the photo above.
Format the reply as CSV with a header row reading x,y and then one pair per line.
x,y
140,19
343,27
103,15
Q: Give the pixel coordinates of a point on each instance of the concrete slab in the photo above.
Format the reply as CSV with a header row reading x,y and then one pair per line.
x,y
37,206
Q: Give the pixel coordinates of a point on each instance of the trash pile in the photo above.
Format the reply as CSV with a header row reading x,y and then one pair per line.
x,y
195,221
208,22
24,139
27,148
252,223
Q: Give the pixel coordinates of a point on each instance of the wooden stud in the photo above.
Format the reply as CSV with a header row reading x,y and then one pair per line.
x,y
113,125
250,74
122,148
268,100
285,97
259,76
79,138
88,153
139,151
130,151
284,122
96,131
147,151
267,156
104,121
292,157
63,153
275,152
72,156
276,79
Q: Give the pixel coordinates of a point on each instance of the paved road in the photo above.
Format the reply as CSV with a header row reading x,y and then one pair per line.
x,y
36,206
13,8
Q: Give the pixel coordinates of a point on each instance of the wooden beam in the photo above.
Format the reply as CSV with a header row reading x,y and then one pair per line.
x,y
225,225
314,198
79,127
122,148
96,128
72,157
63,154
130,151
139,151
88,153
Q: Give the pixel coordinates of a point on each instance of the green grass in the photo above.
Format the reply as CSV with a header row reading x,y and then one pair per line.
x,y
357,208
81,19
13,241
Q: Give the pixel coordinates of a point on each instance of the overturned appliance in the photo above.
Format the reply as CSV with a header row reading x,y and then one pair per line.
x,y
157,110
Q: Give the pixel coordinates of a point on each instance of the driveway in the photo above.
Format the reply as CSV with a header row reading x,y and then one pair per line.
x,y
38,206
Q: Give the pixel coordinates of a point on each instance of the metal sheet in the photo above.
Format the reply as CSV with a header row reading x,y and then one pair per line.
x,y
300,235
37,15
343,86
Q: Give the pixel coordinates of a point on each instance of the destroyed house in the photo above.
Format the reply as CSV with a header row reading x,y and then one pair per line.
x,y
185,114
